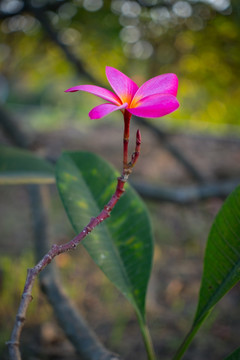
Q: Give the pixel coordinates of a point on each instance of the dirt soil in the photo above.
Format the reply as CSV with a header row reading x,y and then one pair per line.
x,y
180,238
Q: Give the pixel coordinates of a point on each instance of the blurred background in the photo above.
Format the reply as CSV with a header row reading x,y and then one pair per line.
x,y
189,162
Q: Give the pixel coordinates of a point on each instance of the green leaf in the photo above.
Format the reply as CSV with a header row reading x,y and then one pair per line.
x,y
234,356
122,245
19,166
221,264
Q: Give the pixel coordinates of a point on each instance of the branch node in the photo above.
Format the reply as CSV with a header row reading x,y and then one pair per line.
x,y
26,295
107,208
88,229
54,248
12,343
20,318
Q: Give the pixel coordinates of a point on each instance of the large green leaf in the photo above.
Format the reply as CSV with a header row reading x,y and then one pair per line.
x,y
23,167
221,264
122,245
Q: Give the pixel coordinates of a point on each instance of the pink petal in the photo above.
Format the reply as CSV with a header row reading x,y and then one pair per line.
x,y
155,106
104,109
98,91
162,84
123,86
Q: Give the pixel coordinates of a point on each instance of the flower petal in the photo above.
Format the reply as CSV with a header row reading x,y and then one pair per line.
x,y
98,91
162,84
155,106
123,86
104,109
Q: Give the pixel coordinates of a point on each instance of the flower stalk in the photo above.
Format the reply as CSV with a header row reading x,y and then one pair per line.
x,y
127,118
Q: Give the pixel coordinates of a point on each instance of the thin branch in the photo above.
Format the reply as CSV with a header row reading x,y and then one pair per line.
x,y
78,332
70,319
173,150
55,250
188,194
136,153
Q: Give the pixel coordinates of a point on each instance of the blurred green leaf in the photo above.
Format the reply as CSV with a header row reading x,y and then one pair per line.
x,y
234,356
221,264
23,167
122,245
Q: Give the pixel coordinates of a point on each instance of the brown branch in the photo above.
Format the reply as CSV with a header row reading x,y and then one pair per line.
x,y
186,195
55,250
71,321
136,153
78,332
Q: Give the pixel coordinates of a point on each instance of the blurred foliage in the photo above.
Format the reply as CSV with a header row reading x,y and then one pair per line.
x,y
197,40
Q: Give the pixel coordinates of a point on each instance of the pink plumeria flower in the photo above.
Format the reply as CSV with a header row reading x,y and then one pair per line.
x,y
155,98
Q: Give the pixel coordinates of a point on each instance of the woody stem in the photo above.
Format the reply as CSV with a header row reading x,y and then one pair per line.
x,y
13,344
